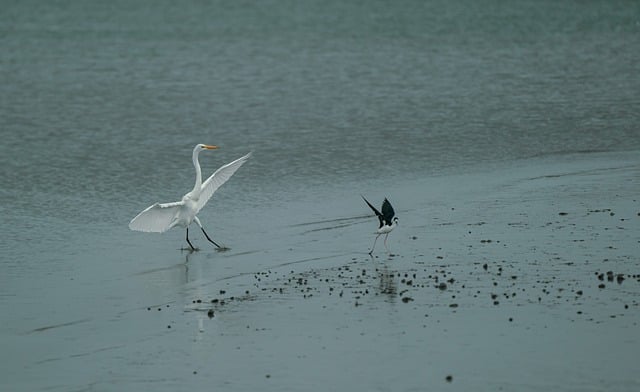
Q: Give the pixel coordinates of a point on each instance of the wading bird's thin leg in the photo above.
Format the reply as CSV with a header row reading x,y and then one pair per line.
x,y
210,240
374,244
205,233
189,242
385,242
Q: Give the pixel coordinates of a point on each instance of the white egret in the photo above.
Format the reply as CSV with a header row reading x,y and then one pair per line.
x,y
161,217
388,222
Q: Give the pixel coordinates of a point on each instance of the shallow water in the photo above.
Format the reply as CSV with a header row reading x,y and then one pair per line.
x,y
520,251
479,123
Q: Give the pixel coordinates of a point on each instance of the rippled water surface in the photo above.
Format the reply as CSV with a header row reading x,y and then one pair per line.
x,y
444,107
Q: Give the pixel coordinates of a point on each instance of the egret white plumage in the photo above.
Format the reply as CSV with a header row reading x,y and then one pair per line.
x,y
161,217
388,222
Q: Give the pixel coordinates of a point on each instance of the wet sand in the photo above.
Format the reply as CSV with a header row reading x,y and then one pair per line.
x,y
521,278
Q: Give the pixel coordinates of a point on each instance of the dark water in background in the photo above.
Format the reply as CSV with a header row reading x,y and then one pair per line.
x,y
116,91
101,103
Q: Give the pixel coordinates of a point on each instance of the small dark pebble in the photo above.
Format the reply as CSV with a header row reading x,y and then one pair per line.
x,y
449,378
453,305
268,376
442,286
510,319
214,301
601,286
562,213
210,313
579,292
406,299
168,326
222,292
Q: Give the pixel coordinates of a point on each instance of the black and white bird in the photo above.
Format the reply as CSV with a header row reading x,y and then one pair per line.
x,y
388,221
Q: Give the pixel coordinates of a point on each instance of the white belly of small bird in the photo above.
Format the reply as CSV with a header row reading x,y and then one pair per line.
x,y
385,229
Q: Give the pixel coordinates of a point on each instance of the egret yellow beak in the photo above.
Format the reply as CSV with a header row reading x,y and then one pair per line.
x,y
210,147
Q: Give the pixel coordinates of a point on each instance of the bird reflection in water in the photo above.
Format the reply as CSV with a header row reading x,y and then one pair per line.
x,y
388,282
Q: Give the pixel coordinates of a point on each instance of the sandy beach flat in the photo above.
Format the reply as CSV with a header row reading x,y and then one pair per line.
x,y
516,278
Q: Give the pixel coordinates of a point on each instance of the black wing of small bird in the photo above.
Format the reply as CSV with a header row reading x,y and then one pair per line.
x,y
387,211
378,214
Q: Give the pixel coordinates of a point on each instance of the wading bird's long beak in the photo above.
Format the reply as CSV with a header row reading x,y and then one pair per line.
x,y
210,147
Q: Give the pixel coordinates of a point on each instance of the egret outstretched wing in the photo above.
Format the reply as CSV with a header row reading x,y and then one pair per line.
x,y
157,218
217,179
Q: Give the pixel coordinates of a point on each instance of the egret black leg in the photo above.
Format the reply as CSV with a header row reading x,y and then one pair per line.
x,y
195,219
210,240
189,242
